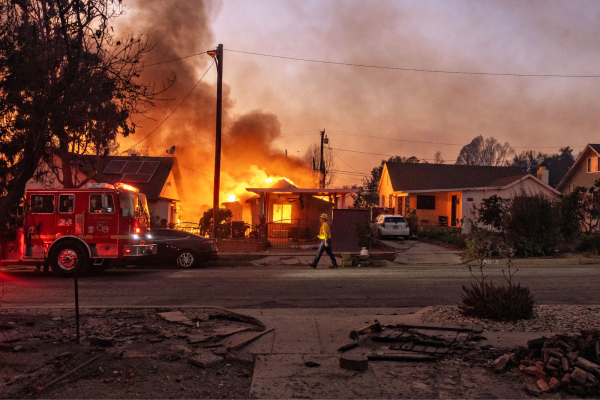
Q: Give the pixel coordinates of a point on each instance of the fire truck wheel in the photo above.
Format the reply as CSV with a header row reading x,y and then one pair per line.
x,y
67,256
186,259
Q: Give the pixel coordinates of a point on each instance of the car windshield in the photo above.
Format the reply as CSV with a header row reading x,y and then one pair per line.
x,y
394,219
133,204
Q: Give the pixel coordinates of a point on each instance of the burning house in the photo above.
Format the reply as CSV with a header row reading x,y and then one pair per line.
x,y
284,215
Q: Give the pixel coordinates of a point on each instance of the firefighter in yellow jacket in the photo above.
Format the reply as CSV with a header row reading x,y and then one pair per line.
x,y
325,236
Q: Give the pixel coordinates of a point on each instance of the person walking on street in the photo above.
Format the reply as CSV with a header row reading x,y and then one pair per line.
x,y
325,236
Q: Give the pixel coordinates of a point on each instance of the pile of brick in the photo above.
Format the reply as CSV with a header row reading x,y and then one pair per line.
x,y
562,362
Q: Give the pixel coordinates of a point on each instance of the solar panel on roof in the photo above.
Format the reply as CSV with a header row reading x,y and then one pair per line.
x,y
136,178
115,167
148,167
132,167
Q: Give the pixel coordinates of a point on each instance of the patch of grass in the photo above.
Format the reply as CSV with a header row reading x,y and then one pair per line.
x,y
449,236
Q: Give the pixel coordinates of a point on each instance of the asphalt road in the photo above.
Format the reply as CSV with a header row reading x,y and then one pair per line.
x,y
289,287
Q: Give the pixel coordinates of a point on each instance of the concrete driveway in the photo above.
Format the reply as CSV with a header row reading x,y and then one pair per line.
x,y
420,253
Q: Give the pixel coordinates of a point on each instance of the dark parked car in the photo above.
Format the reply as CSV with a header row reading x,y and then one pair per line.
x,y
182,248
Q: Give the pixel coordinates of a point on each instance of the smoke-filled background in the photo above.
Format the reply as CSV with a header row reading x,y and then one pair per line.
x,y
177,29
273,104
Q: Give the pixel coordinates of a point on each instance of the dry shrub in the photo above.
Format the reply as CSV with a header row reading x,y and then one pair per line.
x,y
498,302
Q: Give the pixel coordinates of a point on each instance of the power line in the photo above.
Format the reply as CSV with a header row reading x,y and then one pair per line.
x,y
301,133
378,154
344,133
175,59
337,171
198,172
388,138
175,109
344,161
417,69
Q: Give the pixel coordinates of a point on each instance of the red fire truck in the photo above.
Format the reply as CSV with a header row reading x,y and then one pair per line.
x,y
86,228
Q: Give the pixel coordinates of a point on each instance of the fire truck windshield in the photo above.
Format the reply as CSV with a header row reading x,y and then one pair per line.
x,y
133,205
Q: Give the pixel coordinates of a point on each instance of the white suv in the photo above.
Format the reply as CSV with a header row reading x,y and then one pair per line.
x,y
390,225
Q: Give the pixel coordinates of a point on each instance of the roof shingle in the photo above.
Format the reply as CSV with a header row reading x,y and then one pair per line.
x,y
406,177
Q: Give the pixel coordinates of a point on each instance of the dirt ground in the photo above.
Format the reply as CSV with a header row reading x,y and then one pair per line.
x,y
144,355
138,354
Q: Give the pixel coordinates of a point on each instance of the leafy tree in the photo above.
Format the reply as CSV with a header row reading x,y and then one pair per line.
x,y
558,164
532,225
529,162
312,158
582,205
492,211
223,224
67,82
437,159
485,152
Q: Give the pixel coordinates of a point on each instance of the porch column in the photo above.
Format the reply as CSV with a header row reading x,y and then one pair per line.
x,y
267,198
261,205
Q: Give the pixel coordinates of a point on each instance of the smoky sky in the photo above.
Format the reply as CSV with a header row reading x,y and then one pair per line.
x,y
292,97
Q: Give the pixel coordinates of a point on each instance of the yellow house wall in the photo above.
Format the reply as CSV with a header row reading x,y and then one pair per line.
x,y
581,176
169,190
385,189
443,207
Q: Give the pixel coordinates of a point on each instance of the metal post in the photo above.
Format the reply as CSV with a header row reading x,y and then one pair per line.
x,y
76,300
217,180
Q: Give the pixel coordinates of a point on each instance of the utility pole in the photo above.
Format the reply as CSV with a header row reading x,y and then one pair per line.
x,y
219,60
324,140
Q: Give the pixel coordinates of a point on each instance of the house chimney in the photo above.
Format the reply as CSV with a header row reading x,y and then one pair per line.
x,y
543,174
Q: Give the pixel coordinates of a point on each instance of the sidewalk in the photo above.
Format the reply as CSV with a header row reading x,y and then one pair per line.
x,y
303,335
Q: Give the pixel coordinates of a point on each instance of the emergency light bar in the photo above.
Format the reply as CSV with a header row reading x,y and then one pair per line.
x,y
124,186
95,185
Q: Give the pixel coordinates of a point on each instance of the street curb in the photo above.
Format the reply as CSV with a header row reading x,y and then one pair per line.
x,y
540,261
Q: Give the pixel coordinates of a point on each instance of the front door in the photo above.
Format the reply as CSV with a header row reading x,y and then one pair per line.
x,y
41,224
453,212
102,224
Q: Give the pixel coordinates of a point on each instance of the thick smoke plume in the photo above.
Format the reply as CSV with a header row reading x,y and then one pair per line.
x,y
179,28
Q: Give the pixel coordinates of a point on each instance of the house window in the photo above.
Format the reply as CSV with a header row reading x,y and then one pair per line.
x,y
42,203
589,165
382,201
425,202
282,213
65,203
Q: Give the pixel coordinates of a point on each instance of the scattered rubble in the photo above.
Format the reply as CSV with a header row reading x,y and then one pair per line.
x,y
431,339
123,353
205,360
354,362
561,362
